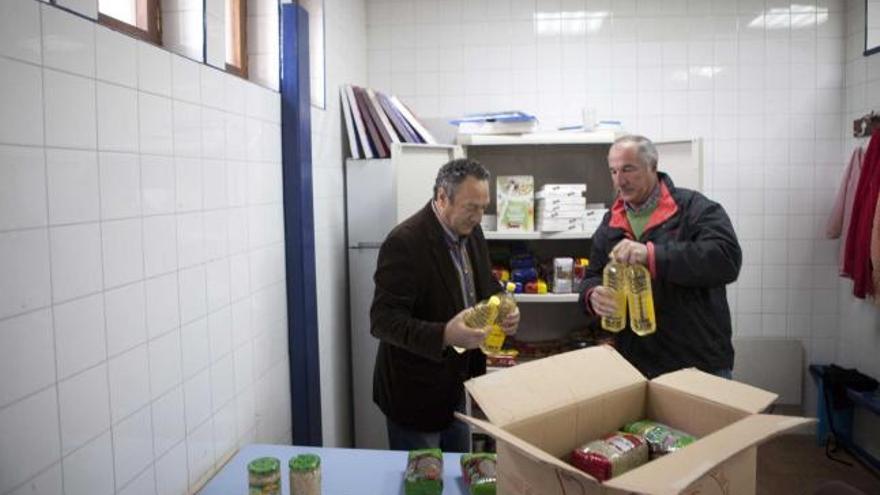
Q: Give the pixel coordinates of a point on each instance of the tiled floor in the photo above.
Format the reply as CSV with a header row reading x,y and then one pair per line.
x,y
794,465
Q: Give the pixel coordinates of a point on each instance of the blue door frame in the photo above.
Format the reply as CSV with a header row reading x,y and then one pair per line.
x,y
299,227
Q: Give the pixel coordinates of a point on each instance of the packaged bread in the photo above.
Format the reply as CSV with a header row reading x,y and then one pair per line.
x,y
661,438
611,456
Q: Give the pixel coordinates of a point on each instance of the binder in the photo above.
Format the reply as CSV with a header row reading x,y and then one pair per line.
x,y
363,138
383,119
397,120
419,128
375,137
349,124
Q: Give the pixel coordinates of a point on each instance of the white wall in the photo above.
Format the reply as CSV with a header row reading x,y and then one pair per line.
x,y
142,310
346,40
761,82
859,343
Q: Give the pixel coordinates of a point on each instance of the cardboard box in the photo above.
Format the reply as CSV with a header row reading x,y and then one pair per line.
x,y
560,224
540,411
515,200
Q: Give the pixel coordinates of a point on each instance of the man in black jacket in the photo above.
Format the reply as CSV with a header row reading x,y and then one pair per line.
x,y
431,268
688,244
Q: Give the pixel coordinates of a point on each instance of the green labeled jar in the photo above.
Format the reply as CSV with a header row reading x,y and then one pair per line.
x,y
305,475
264,476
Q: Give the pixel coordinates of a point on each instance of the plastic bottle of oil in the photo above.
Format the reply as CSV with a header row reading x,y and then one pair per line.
x,y
641,301
481,316
614,278
495,336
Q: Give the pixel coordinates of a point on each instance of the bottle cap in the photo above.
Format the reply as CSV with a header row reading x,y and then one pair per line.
x,y
264,465
305,462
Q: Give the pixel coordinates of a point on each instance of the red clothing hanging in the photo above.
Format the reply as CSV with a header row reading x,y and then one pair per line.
x,y
857,262
841,212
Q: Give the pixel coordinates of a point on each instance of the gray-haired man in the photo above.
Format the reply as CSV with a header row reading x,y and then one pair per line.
x,y
688,244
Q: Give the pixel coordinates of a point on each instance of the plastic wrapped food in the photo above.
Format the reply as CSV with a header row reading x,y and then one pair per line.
x,y
661,438
611,456
424,472
478,471
504,358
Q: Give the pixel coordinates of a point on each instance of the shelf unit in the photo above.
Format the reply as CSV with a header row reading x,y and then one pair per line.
x,y
538,138
534,236
546,298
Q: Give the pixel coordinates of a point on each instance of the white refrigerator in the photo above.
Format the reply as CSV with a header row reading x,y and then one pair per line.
x,y
379,195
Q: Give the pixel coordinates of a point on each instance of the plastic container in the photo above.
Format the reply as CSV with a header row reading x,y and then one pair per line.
x,y
264,476
614,278
563,270
484,313
495,336
305,475
641,300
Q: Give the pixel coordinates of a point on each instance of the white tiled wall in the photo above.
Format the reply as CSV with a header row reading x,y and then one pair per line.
x,y
346,40
142,296
859,343
762,82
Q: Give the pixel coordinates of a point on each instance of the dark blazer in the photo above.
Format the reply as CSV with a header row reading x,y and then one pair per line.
x,y
417,381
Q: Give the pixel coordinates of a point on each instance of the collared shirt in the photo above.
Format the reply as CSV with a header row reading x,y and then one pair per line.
x,y
457,246
648,205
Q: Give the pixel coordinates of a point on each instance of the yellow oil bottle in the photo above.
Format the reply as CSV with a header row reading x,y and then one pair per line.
x,y
495,336
641,301
614,278
484,313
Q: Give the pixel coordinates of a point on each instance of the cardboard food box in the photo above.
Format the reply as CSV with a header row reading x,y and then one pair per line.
x,y
515,200
540,411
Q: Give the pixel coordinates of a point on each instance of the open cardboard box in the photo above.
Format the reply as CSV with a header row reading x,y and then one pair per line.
x,y
540,411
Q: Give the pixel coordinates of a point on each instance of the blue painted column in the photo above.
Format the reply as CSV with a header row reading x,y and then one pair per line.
x,y
299,227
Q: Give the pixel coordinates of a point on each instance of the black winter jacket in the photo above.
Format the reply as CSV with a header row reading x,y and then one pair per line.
x,y
695,253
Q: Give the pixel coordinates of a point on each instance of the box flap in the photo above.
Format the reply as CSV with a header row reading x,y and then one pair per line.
x,y
673,473
525,448
720,390
547,384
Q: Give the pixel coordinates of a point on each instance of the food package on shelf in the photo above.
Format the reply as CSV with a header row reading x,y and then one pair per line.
x,y
515,201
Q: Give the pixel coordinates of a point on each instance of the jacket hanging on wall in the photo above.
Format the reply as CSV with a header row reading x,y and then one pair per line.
x,y
841,212
857,260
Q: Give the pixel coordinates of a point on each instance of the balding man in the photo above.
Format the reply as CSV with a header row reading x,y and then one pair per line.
x,y
688,244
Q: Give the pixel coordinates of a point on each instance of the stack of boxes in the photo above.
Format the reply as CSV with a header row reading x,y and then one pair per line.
x,y
561,207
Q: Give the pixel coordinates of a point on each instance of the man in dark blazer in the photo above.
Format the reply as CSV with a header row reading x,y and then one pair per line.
x,y
431,268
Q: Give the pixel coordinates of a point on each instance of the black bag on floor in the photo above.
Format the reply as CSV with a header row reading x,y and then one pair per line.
x,y
838,380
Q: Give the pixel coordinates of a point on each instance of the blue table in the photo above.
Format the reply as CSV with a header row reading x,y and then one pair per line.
x,y
343,471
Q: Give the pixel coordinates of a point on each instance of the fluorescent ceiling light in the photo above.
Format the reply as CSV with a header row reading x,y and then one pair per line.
x,y
568,23
797,16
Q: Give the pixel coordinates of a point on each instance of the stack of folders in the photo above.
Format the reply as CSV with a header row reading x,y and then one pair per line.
x,y
375,121
561,207
510,122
